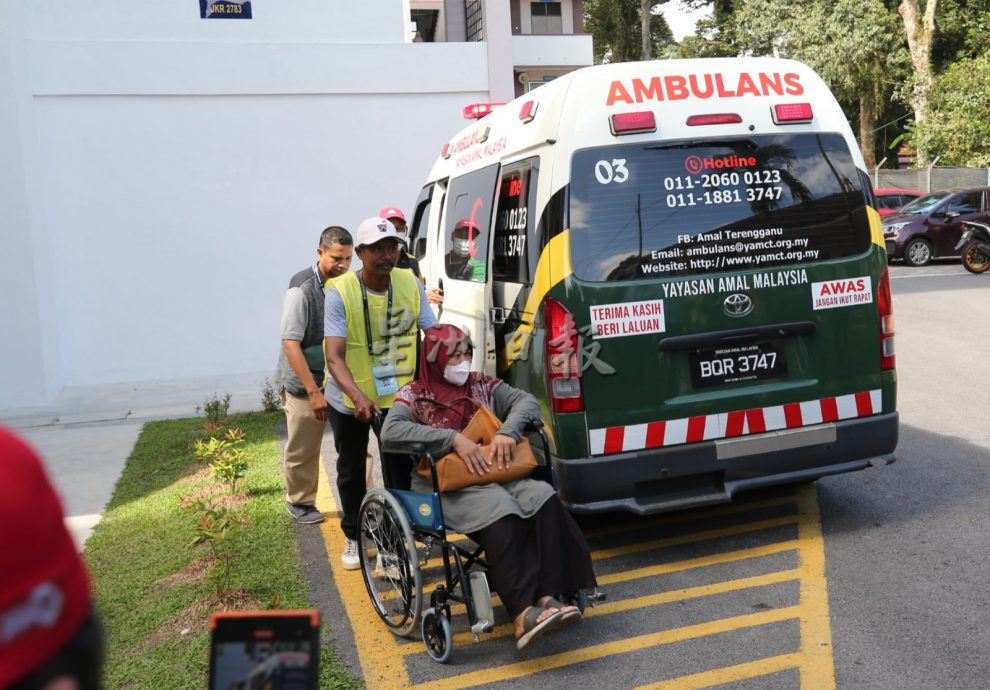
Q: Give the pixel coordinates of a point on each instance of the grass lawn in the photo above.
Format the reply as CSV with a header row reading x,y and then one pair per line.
x,y
153,586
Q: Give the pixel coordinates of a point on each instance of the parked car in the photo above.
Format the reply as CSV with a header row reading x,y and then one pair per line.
x,y
930,226
890,200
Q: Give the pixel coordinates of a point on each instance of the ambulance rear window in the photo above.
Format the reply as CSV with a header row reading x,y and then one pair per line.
x,y
688,208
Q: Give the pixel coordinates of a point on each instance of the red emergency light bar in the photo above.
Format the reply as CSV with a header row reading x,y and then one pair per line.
x,y
714,119
476,111
792,113
632,123
528,111
445,152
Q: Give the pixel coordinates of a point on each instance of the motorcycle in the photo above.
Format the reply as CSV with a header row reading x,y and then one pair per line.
x,y
975,247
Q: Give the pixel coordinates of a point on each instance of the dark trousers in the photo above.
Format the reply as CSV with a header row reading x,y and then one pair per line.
x,y
350,439
546,554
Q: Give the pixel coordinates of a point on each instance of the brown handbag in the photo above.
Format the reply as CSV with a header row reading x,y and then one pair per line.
x,y
452,471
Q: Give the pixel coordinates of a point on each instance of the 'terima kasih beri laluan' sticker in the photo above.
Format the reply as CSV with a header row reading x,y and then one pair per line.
x,y
627,318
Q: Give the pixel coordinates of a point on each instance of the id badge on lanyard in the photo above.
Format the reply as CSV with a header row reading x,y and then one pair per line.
x,y
386,382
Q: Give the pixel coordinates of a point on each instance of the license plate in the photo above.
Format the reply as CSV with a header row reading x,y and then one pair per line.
x,y
737,364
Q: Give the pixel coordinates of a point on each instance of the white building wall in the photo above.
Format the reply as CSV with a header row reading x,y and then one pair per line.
x,y
163,175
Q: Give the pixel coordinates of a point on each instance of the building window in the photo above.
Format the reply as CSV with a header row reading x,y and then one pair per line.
x,y
546,18
472,16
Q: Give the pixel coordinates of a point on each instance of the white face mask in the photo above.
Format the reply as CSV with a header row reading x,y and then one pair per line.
x,y
462,246
457,375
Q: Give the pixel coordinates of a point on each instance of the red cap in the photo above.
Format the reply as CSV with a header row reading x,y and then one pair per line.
x,y
44,586
390,212
468,224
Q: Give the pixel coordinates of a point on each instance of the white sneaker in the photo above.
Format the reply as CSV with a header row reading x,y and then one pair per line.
x,y
349,558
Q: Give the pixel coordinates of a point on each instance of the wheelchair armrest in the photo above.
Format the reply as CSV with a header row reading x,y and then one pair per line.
x,y
534,425
418,448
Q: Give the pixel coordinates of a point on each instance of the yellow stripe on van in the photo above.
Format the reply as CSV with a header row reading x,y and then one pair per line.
x,y
876,227
554,265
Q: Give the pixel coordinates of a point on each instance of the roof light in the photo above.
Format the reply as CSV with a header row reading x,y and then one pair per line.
x,y
633,123
445,153
714,119
792,113
528,111
476,111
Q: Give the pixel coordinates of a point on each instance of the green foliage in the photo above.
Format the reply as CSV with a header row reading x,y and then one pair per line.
x,y
958,128
228,463
269,397
216,526
216,409
157,631
617,29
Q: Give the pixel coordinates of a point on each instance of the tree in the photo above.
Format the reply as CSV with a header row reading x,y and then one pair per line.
x,y
958,127
617,28
852,44
920,35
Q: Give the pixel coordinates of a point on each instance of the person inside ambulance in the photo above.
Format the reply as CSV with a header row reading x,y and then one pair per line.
x,y
397,218
460,261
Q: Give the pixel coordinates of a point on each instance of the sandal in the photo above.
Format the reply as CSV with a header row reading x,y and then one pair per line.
x,y
533,627
570,614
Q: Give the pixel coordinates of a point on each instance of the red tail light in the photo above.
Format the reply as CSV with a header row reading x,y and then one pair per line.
x,y
888,361
633,123
563,372
714,119
792,113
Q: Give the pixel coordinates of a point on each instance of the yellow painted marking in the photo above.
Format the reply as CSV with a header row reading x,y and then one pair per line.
x,y
376,646
647,600
876,226
694,537
690,516
818,669
728,674
624,646
700,562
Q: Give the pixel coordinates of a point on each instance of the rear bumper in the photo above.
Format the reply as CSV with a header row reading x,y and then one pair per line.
x,y
679,477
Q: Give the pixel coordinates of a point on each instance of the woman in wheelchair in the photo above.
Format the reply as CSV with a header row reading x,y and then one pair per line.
x,y
535,550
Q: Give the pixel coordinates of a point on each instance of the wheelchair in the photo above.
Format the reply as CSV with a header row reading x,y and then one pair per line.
x,y
393,524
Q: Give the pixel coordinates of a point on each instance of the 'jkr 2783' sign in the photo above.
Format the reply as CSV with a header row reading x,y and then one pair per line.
x,y
225,9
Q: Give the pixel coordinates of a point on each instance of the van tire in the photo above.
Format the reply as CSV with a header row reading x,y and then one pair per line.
x,y
918,252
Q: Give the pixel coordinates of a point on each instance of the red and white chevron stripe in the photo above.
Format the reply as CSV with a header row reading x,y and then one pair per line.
x,y
620,439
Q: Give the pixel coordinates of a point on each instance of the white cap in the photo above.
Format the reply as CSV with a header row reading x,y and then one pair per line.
x,y
372,230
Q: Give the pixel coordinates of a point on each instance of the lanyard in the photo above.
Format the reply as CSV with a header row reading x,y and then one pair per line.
x,y
367,314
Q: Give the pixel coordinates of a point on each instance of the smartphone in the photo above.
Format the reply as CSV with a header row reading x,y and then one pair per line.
x,y
264,650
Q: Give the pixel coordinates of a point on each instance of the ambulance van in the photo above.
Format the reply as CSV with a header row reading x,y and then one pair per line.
x,y
682,261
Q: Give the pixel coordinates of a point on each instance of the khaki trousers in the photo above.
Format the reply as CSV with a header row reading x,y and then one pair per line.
x,y
302,450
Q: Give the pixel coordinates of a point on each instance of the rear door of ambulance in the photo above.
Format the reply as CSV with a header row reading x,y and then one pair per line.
x,y
722,286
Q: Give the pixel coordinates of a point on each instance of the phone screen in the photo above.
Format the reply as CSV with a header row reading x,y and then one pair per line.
x,y
264,650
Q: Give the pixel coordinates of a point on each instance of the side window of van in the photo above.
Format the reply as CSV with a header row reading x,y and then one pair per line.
x,y
421,220
514,223
467,224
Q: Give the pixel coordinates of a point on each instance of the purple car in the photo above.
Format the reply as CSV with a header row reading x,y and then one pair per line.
x,y
930,227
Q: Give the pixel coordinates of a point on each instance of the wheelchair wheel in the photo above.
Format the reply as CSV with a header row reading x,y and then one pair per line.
x,y
389,562
436,635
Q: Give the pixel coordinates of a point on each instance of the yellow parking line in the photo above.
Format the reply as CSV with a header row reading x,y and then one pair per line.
x,y
624,646
648,600
818,669
700,562
690,516
694,537
719,676
376,646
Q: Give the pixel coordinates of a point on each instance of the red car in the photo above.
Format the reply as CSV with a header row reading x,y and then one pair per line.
x,y
890,199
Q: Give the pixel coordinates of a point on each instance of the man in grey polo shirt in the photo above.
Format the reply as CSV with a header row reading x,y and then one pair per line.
x,y
300,373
